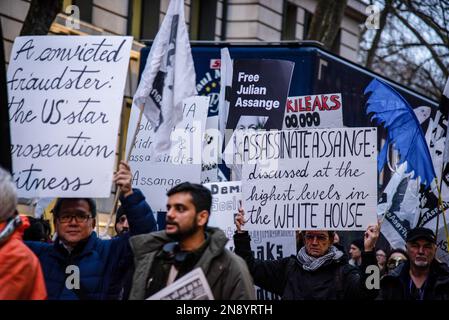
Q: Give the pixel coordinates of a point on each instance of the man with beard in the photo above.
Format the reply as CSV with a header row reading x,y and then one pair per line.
x,y
185,244
422,277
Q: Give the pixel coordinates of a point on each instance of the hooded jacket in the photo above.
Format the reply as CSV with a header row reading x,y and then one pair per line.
x,y
21,275
226,273
287,278
394,286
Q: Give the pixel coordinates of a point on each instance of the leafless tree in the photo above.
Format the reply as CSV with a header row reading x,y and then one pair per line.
x,y
411,44
326,21
40,16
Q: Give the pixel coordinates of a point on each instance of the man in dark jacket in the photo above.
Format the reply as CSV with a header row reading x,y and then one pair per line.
x,y
186,244
422,277
320,271
79,265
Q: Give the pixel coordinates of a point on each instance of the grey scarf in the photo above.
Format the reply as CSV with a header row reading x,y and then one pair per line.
x,y
310,263
11,225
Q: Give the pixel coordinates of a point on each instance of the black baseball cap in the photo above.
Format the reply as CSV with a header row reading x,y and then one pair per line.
x,y
421,233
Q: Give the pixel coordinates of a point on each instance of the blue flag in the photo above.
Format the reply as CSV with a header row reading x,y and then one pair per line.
x,y
391,111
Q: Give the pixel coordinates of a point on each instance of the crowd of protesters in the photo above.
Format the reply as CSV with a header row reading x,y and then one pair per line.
x,y
140,261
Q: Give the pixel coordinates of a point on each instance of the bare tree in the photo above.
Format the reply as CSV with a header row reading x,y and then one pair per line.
x,y
412,44
326,21
40,16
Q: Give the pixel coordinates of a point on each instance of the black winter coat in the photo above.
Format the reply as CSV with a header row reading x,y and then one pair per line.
x,y
287,278
394,285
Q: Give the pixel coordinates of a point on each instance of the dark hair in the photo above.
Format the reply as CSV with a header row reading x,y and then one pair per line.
x,y
201,196
331,235
90,201
39,230
397,250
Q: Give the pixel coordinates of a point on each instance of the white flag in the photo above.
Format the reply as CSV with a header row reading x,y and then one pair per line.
x,y
168,77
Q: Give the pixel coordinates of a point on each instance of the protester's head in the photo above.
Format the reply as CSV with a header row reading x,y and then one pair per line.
x,y
39,230
395,258
188,210
355,249
74,219
381,257
421,247
121,222
318,242
8,196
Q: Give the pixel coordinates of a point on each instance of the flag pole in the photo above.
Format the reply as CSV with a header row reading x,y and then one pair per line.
x,y
117,193
440,204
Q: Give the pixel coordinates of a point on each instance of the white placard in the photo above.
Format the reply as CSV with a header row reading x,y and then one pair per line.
x,y
65,99
226,197
182,163
315,111
318,179
192,286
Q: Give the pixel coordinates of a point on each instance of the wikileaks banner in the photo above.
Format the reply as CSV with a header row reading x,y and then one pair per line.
x,y
316,111
65,99
259,89
317,179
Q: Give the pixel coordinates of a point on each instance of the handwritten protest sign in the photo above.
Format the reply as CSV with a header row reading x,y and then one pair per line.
x,y
182,163
310,179
226,197
317,111
65,100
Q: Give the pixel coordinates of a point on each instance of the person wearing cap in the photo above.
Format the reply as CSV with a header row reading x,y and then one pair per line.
x,y
21,275
422,277
79,265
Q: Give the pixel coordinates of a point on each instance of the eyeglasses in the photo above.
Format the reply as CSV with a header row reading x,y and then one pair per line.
x,y
319,237
66,218
380,255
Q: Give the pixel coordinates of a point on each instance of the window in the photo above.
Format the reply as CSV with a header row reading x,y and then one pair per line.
x,y
336,44
289,25
203,16
143,21
307,20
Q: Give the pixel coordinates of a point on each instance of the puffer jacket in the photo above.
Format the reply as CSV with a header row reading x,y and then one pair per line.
x,y
226,273
287,278
100,262
394,285
21,275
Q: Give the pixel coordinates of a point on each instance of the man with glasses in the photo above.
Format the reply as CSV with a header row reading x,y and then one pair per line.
x,y
320,271
79,265
422,277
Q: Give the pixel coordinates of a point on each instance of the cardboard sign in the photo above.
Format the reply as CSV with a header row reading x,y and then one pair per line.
x,y
182,163
318,111
65,100
320,179
226,197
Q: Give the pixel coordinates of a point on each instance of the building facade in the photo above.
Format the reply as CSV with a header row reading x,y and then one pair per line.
x,y
212,20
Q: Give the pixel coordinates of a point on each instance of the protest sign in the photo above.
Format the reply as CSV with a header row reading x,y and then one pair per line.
x,y
318,179
65,100
192,286
259,89
181,163
226,197
315,111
